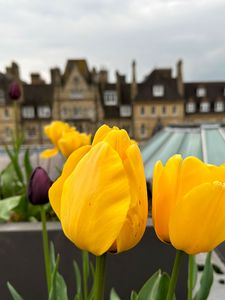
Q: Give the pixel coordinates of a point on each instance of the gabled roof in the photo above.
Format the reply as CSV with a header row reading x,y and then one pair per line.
x,y
38,94
82,66
158,77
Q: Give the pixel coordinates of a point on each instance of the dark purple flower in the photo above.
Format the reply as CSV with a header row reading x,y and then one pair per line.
x,y
14,90
38,186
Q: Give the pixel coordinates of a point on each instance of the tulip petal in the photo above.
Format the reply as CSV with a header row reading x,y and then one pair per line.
x,y
55,192
165,196
193,172
136,220
49,153
197,222
95,200
158,169
119,140
69,142
101,134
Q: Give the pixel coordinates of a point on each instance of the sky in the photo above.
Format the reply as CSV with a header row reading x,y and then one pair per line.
x,y
39,35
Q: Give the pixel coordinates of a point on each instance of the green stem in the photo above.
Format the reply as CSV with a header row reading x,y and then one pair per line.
x,y
174,276
46,248
85,261
190,276
99,282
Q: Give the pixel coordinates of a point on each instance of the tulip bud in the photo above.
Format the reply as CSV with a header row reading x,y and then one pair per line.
x,y
14,91
38,187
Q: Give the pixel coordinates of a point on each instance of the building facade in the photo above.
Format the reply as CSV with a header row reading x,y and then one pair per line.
x,y
86,99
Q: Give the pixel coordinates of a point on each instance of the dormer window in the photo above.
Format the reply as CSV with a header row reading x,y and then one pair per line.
x,y
219,106
44,112
158,90
190,107
110,98
125,111
76,95
28,112
204,107
201,92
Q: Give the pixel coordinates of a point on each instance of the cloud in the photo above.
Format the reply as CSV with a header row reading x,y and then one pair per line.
x,y
111,33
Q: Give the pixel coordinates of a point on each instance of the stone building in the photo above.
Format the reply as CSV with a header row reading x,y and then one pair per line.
x,y
159,101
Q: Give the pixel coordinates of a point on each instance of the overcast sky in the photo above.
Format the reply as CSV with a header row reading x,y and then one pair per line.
x,y
110,33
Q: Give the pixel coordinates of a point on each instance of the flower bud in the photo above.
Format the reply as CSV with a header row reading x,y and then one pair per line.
x,y
14,90
38,187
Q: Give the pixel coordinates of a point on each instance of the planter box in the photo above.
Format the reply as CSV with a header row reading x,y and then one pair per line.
x,y
21,262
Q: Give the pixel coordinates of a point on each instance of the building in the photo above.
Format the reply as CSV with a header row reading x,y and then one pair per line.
x,y
159,101
86,99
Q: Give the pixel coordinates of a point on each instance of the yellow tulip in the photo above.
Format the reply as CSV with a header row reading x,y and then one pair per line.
x,y
54,132
72,140
101,197
188,204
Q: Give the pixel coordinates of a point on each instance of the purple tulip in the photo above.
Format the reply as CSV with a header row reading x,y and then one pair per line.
x,y
14,91
38,186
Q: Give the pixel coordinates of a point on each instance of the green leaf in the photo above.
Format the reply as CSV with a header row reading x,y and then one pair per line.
x,y
58,286
133,295
15,161
7,205
15,295
27,165
113,295
77,278
206,280
155,288
10,186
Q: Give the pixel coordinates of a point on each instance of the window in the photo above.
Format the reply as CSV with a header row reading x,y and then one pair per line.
x,y
219,106
44,112
174,110
28,112
6,113
204,107
125,111
31,132
201,92
142,110
76,80
75,94
163,109
64,112
110,98
153,110
190,107
2,97
143,130
158,90
77,112
8,132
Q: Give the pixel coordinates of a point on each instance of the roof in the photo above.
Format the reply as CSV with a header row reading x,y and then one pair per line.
x,y
196,140
158,77
214,90
82,66
38,94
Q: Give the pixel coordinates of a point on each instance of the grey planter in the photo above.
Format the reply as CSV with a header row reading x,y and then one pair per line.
x,y
21,262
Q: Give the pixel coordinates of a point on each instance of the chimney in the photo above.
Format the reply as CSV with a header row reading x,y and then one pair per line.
x,y
134,89
103,76
36,79
180,84
55,76
13,71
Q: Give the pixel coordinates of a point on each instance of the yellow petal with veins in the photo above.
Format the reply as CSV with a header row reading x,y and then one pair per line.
x,y
136,219
55,192
95,200
197,221
49,153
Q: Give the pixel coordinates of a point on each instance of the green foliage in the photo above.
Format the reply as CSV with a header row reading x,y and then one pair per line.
x,y
113,295
15,295
206,280
7,205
